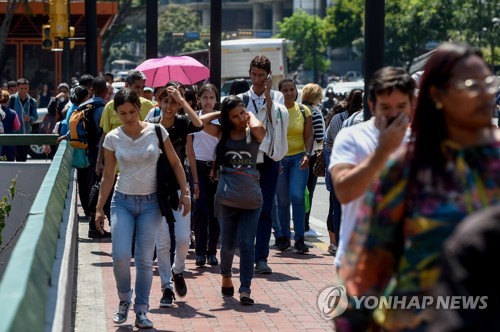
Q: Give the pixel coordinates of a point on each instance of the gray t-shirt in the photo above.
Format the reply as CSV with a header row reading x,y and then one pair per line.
x,y
242,153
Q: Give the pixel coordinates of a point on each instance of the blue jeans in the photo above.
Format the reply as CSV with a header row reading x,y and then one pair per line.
x,y
276,219
238,227
269,172
291,188
142,213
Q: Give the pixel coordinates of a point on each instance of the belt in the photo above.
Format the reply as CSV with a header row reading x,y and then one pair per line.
x,y
205,163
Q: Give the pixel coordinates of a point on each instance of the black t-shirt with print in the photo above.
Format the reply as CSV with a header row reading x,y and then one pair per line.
x,y
178,133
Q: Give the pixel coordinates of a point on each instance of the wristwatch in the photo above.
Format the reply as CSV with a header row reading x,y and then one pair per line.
x,y
308,155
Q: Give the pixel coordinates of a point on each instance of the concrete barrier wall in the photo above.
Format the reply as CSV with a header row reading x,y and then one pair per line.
x,y
29,179
24,289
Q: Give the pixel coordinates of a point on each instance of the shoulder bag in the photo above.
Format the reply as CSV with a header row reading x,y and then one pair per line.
x,y
239,188
166,182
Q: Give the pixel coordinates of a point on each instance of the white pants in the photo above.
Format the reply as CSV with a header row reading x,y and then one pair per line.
x,y
182,230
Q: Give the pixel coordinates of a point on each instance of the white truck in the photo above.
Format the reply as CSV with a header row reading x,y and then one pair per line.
x,y
236,56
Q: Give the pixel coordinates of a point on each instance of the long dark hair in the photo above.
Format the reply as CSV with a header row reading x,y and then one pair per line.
x,y
428,124
209,87
354,101
226,126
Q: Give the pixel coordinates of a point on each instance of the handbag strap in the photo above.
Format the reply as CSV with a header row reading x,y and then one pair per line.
x,y
160,140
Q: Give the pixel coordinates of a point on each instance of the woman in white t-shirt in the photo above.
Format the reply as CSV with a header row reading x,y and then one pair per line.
x,y
206,225
135,147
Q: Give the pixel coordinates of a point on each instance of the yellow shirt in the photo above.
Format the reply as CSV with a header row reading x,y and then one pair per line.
x,y
295,131
110,120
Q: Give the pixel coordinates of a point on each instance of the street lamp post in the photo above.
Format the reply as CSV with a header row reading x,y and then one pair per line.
x,y
374,42
315,45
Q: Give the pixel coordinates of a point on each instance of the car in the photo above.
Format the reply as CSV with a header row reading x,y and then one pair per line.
x,y
36,151
344,87
117,86
224,91
353,76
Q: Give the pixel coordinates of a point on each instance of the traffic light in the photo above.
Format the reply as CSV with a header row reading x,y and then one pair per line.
x,y
71,42
47,42
58,14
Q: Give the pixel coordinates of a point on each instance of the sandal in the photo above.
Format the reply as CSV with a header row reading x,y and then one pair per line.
x,y
245,299
227,291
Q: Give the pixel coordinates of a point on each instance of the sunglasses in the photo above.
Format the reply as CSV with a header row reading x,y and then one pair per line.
x,y
474,87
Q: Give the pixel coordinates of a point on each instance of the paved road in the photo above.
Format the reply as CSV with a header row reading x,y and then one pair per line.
x,y
285,300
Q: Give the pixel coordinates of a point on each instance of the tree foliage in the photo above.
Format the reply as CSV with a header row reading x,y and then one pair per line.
x,y
308,34
182,19
411,24
344,22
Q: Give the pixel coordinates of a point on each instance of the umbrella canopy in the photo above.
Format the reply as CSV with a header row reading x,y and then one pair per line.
x,y
184,69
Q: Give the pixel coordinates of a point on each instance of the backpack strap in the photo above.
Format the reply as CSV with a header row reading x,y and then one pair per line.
x,y
303,111
156,112
246,98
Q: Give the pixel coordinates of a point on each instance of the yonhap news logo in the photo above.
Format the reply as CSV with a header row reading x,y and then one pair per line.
x,y
333,301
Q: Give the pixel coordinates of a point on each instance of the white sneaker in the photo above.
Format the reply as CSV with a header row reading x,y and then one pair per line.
x,y
332,249
312,233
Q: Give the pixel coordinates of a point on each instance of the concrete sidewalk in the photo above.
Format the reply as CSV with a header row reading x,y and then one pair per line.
x,y
286,300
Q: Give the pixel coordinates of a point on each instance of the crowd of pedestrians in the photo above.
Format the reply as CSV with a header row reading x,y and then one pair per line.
x,y
399,183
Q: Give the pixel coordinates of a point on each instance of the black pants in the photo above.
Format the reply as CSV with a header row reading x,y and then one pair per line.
x,y
206,225
22,152
311,186
85,182
334,216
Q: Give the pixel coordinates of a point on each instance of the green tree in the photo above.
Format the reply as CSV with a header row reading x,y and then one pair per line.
x,y
182,19
121,48
411,24
126,7
308,34
344,23
483,30
11,7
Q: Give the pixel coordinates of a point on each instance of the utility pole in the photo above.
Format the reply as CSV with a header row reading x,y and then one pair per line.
x,y
91,37
215,42
374,43
315,46
66,54
151,29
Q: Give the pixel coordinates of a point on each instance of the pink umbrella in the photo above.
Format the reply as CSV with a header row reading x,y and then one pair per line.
x,y
183,69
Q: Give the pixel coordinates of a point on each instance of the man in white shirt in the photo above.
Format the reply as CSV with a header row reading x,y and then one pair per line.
x,y
259,95
361,151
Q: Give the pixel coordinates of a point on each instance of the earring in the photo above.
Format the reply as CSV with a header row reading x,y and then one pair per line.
x,y
438,105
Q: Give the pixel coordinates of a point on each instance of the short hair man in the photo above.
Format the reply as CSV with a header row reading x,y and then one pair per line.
x,y
361,151
263,101
109,77
12,87
26,109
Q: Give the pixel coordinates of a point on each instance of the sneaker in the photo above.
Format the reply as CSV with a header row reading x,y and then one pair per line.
x,y
179,284
332,249
262,268
278,240
94,234
300,246
167,300
142,321
284,244
192,244
312,233
120,316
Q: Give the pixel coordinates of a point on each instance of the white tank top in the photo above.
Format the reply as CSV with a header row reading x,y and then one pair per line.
x,y
204,144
